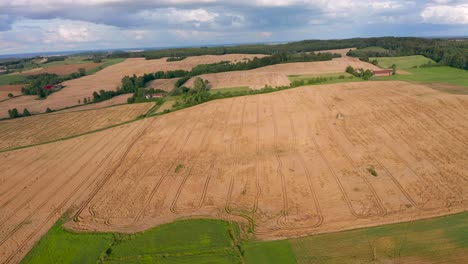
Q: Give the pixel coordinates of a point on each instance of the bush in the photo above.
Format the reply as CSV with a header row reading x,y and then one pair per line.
x,y
10,95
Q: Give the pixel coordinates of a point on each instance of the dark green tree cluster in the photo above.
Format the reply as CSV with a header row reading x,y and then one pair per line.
x,y
13,113
37,83
176,58
360,73
55,58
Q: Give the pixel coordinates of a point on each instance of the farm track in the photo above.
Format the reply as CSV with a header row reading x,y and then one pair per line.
x,y
285,164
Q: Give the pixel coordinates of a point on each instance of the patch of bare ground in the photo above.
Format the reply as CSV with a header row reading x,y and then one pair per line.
x,y
290,163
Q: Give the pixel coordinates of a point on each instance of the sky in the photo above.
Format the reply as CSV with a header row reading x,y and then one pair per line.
x,y
58,25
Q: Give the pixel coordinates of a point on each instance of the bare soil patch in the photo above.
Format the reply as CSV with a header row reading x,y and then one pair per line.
x,y
292,163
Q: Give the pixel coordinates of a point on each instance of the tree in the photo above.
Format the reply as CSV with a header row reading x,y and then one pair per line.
x,y
10,95
79,101
48,110
26,112
82,71
393,69
13,113
85,101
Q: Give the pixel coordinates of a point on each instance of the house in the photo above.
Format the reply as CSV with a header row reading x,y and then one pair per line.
x,y
384,72
53,87
156,95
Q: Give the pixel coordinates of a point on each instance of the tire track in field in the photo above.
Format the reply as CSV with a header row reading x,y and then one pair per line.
x,y
44,185
111,172
27,166
327,162
398,117
128,190
391,176
283,218
173,208
161,179
407,165
213,162
306,170
381,207
57,209
47,200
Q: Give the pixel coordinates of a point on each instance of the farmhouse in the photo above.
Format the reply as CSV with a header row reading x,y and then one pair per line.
x,y
156,95
383,72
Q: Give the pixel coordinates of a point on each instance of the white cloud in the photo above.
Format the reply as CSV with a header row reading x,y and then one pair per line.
x,y
445,14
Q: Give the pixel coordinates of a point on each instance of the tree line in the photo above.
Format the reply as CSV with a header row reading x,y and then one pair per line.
x,y
37,83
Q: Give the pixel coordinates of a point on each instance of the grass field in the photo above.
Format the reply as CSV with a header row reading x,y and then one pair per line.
x,y
232,89
107,63
404,62
331,78
444,74
441,240
11,78
438,240
186,241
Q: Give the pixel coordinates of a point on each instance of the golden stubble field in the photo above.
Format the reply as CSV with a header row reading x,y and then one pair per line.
x,y
48,127
277,75
289,163
109,78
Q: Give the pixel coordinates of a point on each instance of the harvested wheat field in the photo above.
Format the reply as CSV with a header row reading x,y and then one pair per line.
x,y
13,89
62,69
49,127
117,100
163,84
291,163
108,79
277,75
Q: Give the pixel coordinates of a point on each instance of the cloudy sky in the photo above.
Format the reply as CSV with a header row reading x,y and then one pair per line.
x,y
56,25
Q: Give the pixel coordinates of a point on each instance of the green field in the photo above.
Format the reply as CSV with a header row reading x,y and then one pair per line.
x,y
405,62
438,240
441,240
185,241
339,77
443,74
106,63
231,89
11,78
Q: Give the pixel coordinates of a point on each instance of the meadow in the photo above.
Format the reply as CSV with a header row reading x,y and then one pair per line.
x,y
430,75
404,62
216,241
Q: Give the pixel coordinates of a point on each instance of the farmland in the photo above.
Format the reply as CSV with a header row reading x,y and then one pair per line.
x,y
15,90
50,127
62,69
284,164
404,62
432,75
277,75
107,79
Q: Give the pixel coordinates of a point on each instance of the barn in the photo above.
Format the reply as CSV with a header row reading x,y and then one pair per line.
x,y
384,72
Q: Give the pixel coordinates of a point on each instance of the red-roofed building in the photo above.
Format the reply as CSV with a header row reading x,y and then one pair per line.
x,y
383,72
